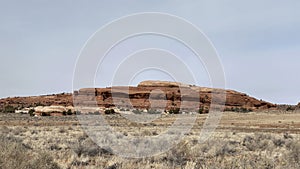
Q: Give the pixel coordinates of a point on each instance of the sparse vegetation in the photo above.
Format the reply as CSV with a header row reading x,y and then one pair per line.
x,y
151,111
174,111
239,110
137,111
69,112
290,108
15,155
9,109
45,113
31,112
203,110
69,147
109,111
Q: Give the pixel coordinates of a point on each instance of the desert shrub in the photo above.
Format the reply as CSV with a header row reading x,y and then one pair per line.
x,y
278,142
54,147
44,161
225,149
109,111
245,110
151,111
203,110
294,153
258,142
45,114
239,110
287,136
136,111
64,113
174,111
5,130
87,147
69,112
180,154
9,109
31,112
62,130
290,108
15,155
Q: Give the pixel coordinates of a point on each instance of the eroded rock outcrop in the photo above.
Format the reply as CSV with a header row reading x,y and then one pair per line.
x,y
171,94
164,95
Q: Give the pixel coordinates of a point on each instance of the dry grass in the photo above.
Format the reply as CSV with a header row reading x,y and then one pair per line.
x,y
15,155
41,144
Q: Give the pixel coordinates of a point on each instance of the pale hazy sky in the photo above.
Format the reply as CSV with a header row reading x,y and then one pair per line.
x,y
258,41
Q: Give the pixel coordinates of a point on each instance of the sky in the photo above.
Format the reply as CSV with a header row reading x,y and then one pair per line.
x,y
258,43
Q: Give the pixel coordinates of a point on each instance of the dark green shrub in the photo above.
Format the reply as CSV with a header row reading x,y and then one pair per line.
x,y
201,110
174,111
290,108
45,114
69,112
244,110
109,111
31,112
240,110
9,109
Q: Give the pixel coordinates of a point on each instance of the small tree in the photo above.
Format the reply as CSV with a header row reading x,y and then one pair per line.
x,y
109,111
69,112
31,112
174,111
201,110
290,108
45,114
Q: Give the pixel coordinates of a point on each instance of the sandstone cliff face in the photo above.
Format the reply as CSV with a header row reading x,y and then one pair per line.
x,y
164,95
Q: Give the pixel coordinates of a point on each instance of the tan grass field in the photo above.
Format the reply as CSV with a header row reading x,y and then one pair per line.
x,y
242,140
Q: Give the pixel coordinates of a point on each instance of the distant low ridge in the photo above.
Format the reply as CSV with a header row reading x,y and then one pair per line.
x,y
161,91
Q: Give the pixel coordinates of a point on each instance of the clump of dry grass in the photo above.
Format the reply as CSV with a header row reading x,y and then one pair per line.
x,y
258,142
86,147
293,155
15,155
